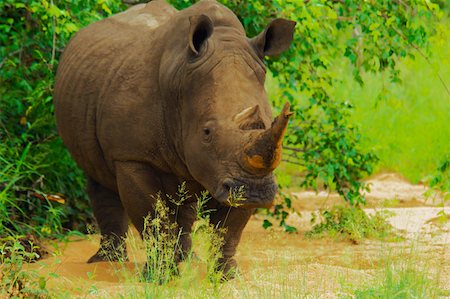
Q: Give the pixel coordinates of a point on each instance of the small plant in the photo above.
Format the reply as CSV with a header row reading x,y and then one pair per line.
x,y
29,247
439,184
14,281
351,223
236,196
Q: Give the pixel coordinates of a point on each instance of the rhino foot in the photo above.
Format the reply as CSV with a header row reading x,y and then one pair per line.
x,y
228,268
108,255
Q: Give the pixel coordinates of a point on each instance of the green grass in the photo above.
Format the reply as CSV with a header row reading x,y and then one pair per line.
x,y
404,278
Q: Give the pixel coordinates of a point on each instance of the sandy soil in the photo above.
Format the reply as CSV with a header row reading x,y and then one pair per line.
x,y
272,262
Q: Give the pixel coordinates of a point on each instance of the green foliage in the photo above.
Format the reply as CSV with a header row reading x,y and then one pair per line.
x,y
405,124
440,181
280,211
32,158
212,241
350,223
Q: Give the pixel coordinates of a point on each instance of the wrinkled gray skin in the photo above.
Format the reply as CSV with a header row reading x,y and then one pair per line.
x,y
153,97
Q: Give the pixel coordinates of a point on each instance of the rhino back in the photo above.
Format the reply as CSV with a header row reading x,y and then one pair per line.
x,y
106,91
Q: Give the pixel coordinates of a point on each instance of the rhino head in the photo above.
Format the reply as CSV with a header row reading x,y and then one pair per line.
x,y
228,136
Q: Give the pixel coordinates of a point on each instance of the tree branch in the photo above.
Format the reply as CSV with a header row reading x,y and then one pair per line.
x,y
292,162
297,150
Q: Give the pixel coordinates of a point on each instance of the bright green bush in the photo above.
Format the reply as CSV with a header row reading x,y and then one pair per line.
x,y
32,157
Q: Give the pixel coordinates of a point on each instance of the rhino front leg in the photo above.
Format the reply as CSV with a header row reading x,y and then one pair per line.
x,y
138,186
234,221
112,221
185,213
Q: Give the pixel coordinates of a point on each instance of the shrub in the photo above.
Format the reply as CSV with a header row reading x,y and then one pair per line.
x,y
33,161
351,223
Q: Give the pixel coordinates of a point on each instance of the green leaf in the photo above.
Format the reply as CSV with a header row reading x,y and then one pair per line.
x,y
266,224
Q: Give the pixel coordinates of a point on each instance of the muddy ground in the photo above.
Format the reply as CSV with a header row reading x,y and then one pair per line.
x,y
273,263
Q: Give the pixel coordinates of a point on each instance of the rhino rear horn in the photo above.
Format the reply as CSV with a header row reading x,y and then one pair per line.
x,y
201,28
249,119
275,39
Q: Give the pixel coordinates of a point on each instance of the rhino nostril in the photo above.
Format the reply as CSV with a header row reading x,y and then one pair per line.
x,y
228,185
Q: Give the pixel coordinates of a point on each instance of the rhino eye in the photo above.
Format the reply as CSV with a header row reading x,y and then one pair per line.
x,y
207,135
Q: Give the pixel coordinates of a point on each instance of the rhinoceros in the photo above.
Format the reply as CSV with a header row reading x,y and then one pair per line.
x,y
153,97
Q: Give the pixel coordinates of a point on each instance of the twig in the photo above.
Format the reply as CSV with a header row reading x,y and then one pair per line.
x,y
403,3
4,128
9,55
54,39
134,2
425,57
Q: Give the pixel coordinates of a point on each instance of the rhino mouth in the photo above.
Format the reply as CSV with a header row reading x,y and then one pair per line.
x,y
256,193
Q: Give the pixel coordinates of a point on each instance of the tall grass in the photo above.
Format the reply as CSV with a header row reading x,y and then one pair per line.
x,y
27,175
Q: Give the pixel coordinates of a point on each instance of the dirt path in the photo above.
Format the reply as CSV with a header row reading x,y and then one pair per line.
x,y
272,262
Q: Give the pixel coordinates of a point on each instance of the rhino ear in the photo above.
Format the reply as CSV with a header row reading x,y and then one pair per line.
x,y
275,39
201,28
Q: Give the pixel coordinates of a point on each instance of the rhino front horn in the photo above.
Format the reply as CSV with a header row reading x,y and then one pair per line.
x,y
264,154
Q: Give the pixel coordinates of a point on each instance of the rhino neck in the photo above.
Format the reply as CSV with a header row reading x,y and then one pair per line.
x,y
170,75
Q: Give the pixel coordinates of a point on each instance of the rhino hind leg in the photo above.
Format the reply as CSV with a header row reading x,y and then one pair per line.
x,y
112,221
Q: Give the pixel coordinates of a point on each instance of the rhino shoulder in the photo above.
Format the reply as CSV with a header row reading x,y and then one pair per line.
x,y
152,14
